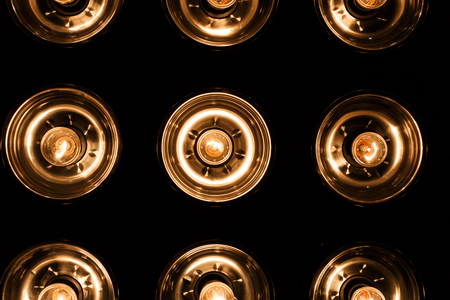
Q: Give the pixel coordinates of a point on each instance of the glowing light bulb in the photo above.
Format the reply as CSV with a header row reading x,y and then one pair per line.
x,y
216,290
367,293
63,2
370,4
221,4
214,147
61,146
369,149
57,291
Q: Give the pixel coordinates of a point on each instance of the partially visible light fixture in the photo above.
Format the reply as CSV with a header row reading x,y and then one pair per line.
x,y
64,22
62,142
371,25
220,24
368,148
58,271
366,271
214,271
215,146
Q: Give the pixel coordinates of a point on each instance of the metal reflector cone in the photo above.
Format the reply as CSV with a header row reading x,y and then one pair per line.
x,y
220,23
65,23
368,148
62,142
215,146
371,30
59,270
366,269
233,271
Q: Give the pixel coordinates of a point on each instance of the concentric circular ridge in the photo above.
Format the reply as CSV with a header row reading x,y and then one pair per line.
x,y
69,109
59,264
374,117
194,267
371,30
205,23
367,265
61,23
224,118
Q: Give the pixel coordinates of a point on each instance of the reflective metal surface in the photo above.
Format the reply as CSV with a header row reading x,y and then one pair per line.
x,y
62,142
64,22
215,146
369,28
220,24
354,120
187,276
370,268
58,269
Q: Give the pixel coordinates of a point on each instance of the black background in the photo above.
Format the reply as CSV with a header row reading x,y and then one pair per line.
x,y
141,67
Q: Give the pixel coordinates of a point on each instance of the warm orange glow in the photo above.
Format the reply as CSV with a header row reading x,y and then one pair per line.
x,y
216,291
61,294
64,146
214,147
64,1
371,4
368,293
363,148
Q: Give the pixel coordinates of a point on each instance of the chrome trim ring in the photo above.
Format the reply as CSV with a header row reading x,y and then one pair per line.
x,y
343,122
74,110
237,173
367,265
221,27
63,23
195,266
385,28
62,264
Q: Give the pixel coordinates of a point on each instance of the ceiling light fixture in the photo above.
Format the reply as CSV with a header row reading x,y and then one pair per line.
x,y
62,142
368,148
371,25
214,271
220,23
366,271
64,22
58,271
215,146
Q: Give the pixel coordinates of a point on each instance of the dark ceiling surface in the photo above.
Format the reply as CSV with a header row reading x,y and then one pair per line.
x,y
142,67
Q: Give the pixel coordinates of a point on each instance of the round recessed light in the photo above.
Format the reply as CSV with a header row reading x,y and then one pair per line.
x,y
64,22
62,142
368,148
215,146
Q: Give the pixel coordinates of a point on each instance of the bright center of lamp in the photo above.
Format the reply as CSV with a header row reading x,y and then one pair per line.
x,y
214,147
57,291
369,149
370,4
63,2
216,290
221,4
61,146
367,293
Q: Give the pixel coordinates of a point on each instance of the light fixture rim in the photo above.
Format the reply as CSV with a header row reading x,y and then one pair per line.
x,y
66,42
217,46
61,243
218,244
17,112
362,245
367,49
403,105
207,200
